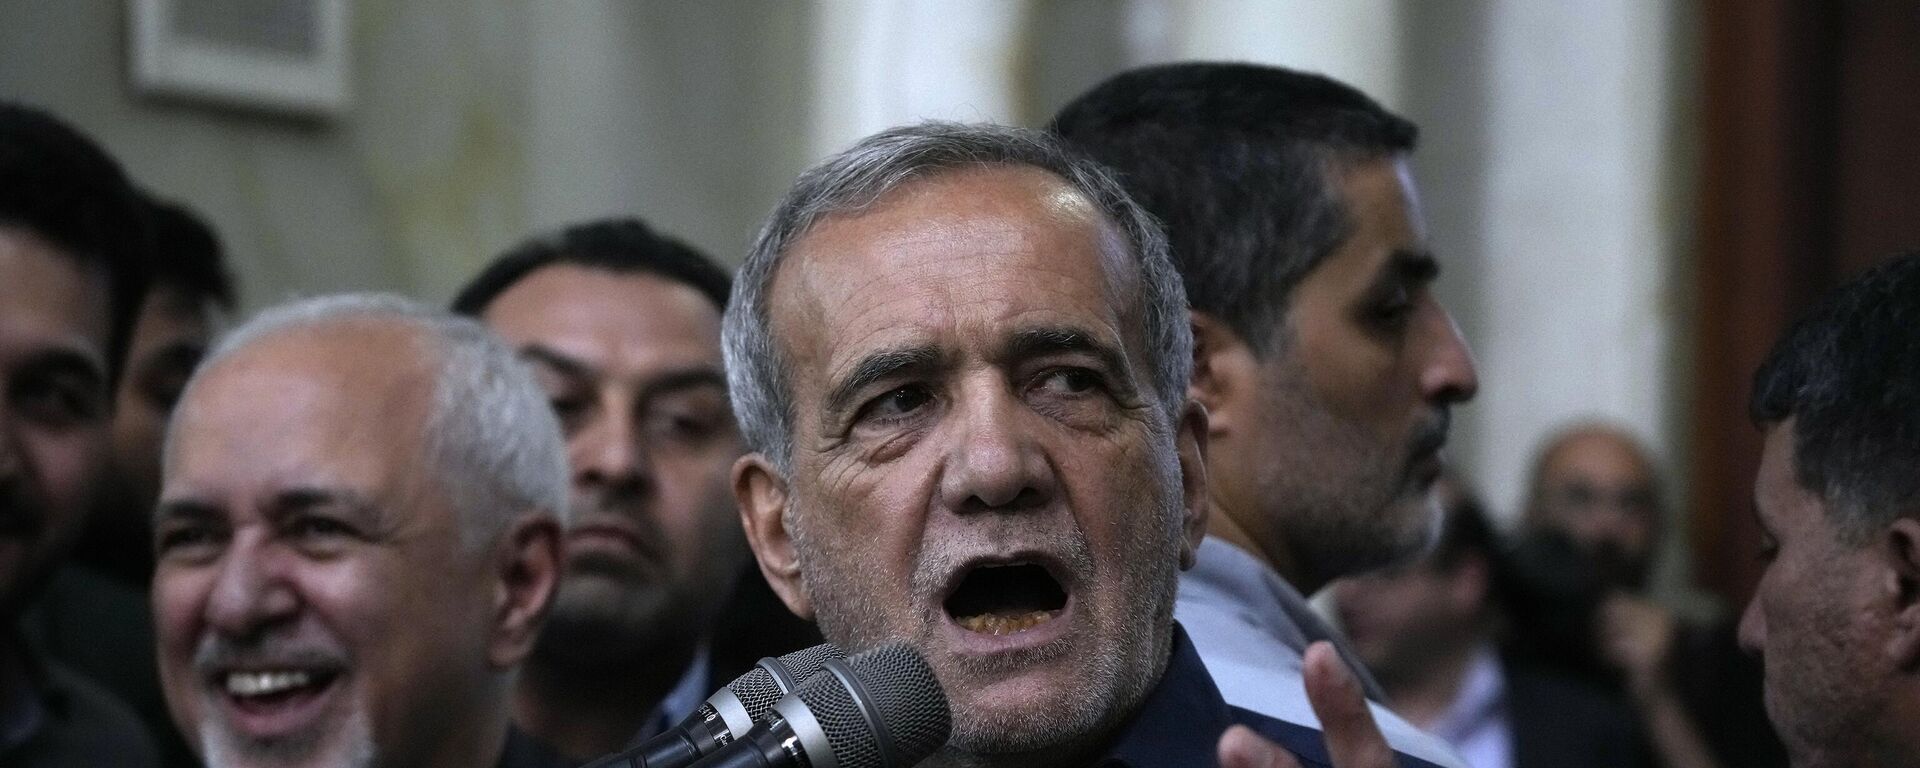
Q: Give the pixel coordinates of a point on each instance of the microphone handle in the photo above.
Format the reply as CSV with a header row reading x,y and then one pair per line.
x,y
768,745
674,749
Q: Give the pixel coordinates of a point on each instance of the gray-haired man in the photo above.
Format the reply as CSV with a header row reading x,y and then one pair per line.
x,y
960,356
358,540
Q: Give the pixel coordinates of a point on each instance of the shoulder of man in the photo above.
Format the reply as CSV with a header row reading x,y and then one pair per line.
x,y
85,726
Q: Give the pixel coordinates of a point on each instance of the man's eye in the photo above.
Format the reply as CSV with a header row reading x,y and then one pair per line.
x,y
182,541
59,401
896,403
569,410
1393,308
1769,549
309,527
1071,381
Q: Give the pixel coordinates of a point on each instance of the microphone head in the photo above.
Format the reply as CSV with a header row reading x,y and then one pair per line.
x,y
751,696
882,708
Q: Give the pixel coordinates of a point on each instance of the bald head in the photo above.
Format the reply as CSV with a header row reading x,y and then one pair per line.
x,y
1596,483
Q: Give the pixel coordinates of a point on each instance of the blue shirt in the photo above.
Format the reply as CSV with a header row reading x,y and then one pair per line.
x,y
1180,723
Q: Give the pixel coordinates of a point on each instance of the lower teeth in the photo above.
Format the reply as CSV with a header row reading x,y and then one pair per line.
x,y
996,624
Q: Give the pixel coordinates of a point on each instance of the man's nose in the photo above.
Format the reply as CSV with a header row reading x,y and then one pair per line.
x,y
995,462
253,589
1448,375
610,453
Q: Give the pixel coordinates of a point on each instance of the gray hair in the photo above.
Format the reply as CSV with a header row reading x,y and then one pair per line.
x,y
849,182
491,432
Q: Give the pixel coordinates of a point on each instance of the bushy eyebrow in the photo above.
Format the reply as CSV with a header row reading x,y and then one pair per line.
x,y
565,364
880,366
1029,343
1414,266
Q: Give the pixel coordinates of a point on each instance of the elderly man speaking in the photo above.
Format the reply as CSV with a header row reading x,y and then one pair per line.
x,y
357,541
960,355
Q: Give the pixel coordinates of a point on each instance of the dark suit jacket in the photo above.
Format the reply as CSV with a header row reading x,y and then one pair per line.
x,y
1560,721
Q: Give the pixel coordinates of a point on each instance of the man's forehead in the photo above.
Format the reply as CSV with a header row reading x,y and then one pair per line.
x,y
589,321
308,403
50,300
982,250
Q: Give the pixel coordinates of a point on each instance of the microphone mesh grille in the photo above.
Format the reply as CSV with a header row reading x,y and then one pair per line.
x,y
902,690
909,699
758,690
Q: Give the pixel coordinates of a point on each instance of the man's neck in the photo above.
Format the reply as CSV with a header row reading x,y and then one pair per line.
x,y
586,712
1222,524
1423,696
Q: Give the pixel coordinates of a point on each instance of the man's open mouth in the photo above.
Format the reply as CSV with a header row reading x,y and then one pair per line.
x,y
267,689
1004,599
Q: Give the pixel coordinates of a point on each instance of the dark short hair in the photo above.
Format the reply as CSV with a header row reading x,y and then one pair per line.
x,y
621,246
1241,163
1848,375
61,186
187,255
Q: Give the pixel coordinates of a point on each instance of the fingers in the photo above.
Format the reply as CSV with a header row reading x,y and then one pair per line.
x,y
1240,747
1353,740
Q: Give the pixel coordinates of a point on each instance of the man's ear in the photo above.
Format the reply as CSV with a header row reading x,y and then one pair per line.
x,y
1191,443
527,573
1902,540
762,494
1223,372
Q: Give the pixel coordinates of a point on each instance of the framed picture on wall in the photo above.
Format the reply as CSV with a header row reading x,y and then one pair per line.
x,y
277,55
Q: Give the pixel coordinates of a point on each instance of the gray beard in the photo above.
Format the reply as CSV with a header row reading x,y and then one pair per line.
x,y
844,609
223,750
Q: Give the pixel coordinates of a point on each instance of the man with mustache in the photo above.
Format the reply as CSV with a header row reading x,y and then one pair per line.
x,y
72,276
358,539
1835,619
1325,363
622,327
959,356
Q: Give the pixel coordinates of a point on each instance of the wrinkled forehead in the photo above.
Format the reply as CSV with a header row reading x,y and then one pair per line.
x,y
961,259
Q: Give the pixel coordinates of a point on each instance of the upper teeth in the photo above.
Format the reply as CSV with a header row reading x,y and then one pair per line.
x,y
260,683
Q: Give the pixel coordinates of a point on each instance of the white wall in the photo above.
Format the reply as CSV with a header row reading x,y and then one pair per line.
x,y
1549,157
397,195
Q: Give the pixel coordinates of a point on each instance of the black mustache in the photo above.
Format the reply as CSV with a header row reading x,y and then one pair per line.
x,y
1431,436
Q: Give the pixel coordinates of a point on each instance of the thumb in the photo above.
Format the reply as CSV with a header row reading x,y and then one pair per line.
x,y
1240,747
1353,740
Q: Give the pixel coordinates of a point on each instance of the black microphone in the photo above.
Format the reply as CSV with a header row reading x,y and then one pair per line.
x,y
728,714
882,708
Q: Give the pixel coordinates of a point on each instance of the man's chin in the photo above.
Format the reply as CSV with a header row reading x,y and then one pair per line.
x,y
1046,703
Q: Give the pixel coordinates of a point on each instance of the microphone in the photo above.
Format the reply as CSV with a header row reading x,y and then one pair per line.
x,y
728,714
882,708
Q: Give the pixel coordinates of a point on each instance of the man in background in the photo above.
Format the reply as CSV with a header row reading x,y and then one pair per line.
x,y
1836,616
959,355
1432,632
73,248
1326,366
1697,697
357,541
621,325
95,615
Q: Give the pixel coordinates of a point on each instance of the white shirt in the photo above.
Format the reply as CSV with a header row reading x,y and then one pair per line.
x,y
1251,628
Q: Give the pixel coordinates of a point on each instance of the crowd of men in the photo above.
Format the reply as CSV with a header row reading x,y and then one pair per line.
x,y
1081,415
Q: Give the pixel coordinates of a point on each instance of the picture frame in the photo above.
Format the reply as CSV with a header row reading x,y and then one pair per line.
x,y
289,56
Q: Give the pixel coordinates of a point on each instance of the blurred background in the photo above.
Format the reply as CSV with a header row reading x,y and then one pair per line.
x,y
1630,197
